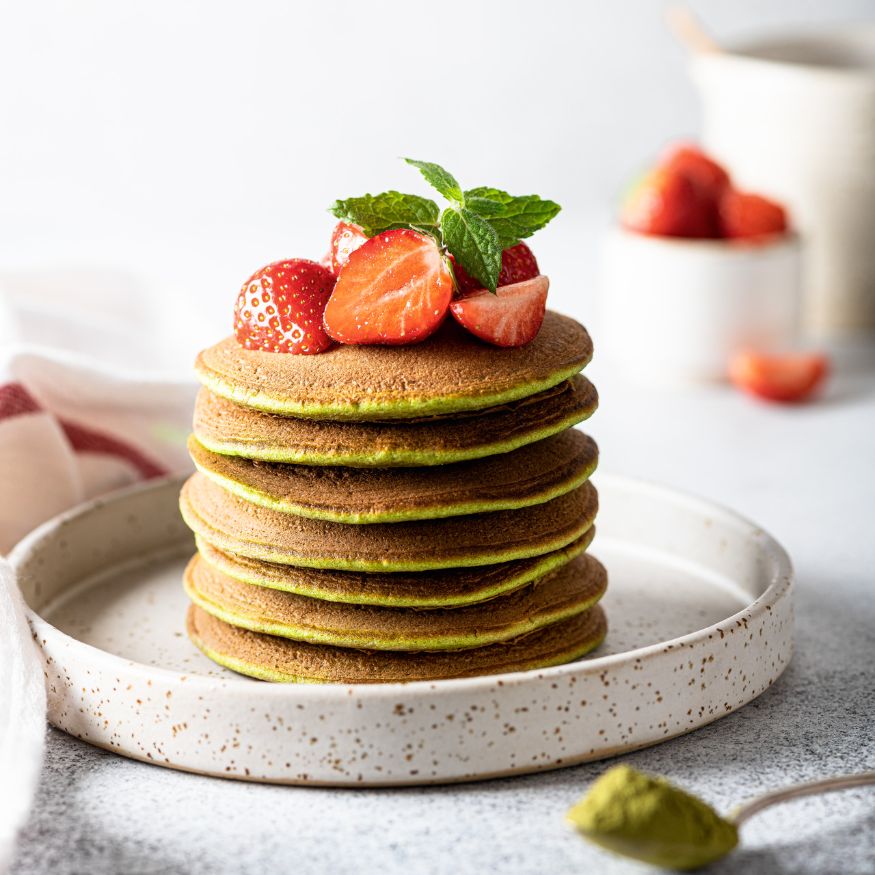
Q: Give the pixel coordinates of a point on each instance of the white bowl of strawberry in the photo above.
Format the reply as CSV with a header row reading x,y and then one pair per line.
x,y
399,266
697,274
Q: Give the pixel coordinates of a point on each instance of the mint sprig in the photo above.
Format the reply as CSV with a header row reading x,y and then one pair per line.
x,y
473,243
513,218
439,179
475,229
375,213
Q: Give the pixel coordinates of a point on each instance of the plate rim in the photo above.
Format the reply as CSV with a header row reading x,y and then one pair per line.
x,y
781,583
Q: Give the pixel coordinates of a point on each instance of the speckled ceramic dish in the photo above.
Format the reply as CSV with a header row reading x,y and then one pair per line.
x,y
700,623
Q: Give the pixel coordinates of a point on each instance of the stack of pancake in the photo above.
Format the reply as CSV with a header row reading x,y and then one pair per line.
x,y
395,513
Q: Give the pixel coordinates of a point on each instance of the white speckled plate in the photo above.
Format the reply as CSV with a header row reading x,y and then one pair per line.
x,y
700,621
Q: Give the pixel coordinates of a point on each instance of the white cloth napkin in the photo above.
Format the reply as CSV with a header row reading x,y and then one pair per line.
x,y
80,415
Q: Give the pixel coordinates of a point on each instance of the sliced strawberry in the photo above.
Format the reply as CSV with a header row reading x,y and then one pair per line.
x,y
394,289
791,377
706,174
745,215
345,239
665,203
280,307
517,264
510,317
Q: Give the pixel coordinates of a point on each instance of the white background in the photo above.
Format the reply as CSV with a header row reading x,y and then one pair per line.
x,y
185,144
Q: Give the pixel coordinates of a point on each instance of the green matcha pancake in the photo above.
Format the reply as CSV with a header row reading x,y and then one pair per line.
x,y
281,659
235,525
569,590
445,588
530,475
449,372
230,429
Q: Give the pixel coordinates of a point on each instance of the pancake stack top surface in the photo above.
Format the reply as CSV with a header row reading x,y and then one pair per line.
x,y
390,511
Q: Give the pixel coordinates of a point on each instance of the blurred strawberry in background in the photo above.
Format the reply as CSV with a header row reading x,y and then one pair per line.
x,y
736,296
788,378
666,203
744,215
689,194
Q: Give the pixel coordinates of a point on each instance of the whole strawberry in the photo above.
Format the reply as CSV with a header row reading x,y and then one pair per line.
x,y
517,264
709,177
745,215
280,308
666,203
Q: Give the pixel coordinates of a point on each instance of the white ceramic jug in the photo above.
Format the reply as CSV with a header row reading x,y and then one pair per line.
x,y
794,118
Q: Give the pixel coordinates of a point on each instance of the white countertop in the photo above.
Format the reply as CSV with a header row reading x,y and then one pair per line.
x,y
807,474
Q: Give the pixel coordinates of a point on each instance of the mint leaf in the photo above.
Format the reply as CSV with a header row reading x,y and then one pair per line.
x,y
441,179
484,207
375,213
472,241
513,218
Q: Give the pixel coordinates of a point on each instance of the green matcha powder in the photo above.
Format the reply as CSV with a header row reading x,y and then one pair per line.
x,y
649,819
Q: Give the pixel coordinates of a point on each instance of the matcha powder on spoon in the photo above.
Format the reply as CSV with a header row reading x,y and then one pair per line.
x,y
651,820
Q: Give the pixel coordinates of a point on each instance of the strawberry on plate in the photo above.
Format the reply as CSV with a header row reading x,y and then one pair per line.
x,y
510,317
789,377
345,239
280,307
395,289
517,264
666,203
746,215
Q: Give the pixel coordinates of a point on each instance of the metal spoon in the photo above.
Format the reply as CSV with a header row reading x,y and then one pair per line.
x,y
828,785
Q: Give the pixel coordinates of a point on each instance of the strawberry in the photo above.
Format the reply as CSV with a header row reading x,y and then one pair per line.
x,y
280,307
791,377
707,175
517,264
394,289
665,203
744,215
510,317
345,239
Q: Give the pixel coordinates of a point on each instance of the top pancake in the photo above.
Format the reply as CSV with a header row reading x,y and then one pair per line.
x,y
450,372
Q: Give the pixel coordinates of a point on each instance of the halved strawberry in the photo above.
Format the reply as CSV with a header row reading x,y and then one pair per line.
x,y
280,307
790,377
745,215
666,203
517,264
510,317
345,238
394,289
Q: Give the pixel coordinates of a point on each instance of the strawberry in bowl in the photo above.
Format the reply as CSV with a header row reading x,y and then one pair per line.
x,y
696,270
690,195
